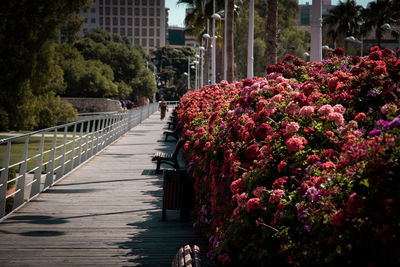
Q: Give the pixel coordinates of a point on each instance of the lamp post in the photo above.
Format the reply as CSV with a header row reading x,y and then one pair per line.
x,y
197,71
188,73
250,54
387,27
202,49
213,46
352,39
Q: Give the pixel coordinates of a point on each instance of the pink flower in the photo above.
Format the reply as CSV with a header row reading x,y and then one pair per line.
x,y
252,152
325,109
339,109
329,134
276,195
338,218
253,204
259,191
295,143
282,165
237,186
241,199
306,111
337,118
291,108
328,165
292,127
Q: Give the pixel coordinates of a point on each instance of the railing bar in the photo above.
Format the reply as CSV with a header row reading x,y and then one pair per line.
x,y
14,193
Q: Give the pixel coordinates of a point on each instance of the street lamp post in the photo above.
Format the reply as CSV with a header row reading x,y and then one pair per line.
x,y
387,27
354,40
213,59
202,49
188,73
197,70
250,54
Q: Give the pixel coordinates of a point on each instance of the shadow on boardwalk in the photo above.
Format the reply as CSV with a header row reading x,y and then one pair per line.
x,y
155,240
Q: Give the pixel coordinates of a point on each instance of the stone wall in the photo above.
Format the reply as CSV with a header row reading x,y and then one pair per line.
x,y
85,105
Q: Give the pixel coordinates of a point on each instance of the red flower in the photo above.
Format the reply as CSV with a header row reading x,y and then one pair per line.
x,y
237,186
253,204
252,152
264,130
361,117
282,165
354,203
338,51
338,218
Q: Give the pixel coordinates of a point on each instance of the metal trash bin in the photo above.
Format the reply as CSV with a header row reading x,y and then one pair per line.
x,y
178,193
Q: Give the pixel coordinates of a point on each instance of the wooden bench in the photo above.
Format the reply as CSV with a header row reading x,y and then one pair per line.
x,y
173,133
168,158
187,256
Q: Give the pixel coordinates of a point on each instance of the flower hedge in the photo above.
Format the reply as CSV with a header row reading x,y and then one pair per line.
x,y
299,168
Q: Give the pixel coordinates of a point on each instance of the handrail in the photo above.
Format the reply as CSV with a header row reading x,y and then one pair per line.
x,y
68,146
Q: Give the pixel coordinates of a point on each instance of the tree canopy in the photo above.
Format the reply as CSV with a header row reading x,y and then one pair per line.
x,y
29,32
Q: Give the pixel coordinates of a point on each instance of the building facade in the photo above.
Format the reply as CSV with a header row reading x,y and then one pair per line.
x,y
144,22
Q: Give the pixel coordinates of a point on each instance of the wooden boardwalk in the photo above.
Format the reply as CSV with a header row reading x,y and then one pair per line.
x,y
106,213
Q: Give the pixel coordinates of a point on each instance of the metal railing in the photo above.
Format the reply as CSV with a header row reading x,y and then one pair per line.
x,y
49,154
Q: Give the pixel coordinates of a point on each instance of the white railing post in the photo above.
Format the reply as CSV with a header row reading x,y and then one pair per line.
x,y
50,174
70,164
20,187
4,179
61,161
35,188
93,134
77,162
87,141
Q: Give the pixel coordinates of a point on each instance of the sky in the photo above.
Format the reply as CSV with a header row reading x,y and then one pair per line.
x,y
177,12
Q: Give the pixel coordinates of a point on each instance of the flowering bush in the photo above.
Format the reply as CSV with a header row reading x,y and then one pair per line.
x,y
299,168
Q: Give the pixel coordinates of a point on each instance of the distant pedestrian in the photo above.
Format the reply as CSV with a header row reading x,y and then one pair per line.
x,y
163,108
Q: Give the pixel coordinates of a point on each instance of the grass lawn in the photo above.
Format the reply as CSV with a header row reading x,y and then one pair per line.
x,y
17,149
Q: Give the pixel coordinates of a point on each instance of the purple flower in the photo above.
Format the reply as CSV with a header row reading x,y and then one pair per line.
x,y
307,227
395,123
381,124
373,92
374,132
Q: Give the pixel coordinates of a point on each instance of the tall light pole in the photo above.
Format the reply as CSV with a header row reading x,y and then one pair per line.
x,y
354,40
213,47
197,71
387,27
316,31
250,54
188,73
225,43
202,49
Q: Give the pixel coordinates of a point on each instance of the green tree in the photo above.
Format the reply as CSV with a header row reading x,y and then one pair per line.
x,y
86,78
171,64
343,20
29,32
126,62
378,13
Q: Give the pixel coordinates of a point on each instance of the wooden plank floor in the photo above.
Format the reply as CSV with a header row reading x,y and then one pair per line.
x,y
106,213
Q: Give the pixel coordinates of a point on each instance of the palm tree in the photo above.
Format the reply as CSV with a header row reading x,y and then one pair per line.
x,y
378,13
343,20
272,29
